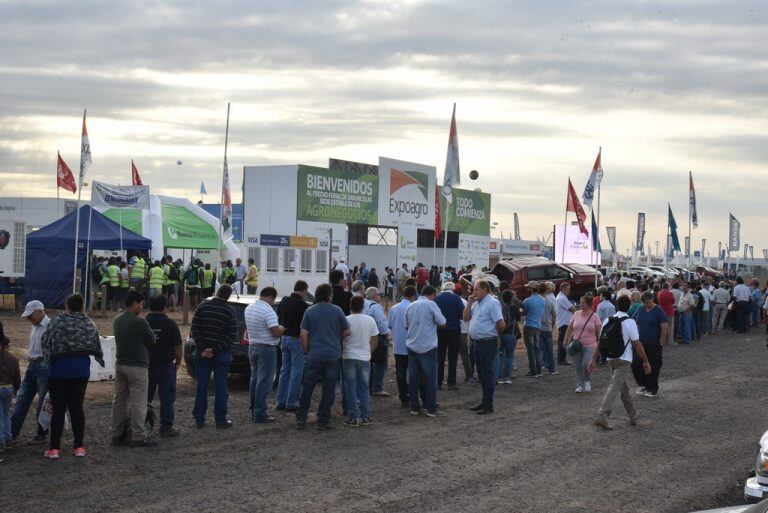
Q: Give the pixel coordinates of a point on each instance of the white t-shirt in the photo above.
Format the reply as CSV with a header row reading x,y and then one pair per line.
x,y
259,317
357,346
629,333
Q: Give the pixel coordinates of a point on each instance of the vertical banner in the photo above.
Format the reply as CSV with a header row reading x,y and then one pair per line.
x,y
703,245
687,246
670,246
734,237
746,249
611,230
517,227
720,250
406,244
765,254
639,243
751,252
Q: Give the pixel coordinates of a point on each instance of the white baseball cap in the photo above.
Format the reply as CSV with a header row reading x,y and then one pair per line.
x,y
32,307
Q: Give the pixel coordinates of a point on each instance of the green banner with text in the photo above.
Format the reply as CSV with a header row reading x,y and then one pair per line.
x,y
337,196
470,212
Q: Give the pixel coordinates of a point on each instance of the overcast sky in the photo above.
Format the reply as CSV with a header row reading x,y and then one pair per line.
x,y
663,86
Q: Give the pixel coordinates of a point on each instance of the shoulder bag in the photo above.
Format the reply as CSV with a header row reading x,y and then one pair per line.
x,y
575,346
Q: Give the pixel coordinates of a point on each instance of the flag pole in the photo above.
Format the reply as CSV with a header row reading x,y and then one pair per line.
x,y
445,231
221,203
77,218
690,217
565,225
597,235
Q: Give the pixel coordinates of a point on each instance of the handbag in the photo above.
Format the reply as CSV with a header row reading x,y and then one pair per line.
x,y
575,346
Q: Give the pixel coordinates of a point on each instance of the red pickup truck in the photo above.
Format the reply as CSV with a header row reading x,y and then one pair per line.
x,y
519,271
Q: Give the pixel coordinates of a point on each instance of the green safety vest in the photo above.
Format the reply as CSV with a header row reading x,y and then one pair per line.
x,y
139,268
113,272
226,273
104,276
124,281
156,276
207,278
166,270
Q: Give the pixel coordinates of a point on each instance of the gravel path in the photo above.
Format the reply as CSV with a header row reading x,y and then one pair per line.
x,y
539,452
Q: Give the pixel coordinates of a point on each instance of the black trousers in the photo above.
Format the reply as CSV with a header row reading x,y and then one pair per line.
x,y
561,343
448,343
67,394
649,381
742,310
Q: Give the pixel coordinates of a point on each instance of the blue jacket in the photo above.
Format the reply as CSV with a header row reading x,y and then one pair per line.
x,y
452,308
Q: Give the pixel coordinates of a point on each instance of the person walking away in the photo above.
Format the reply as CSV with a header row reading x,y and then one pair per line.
x,y
373,279
619,331
193,279
563,313
113,295
133,340
422,318
380,356
341,296
290,313
720,300
252,278
548,320
10,382
582,334
214,329
652,327
156,278
68,343
164,362
399,335
742,297
35,381
510,310
207,281
534,308
448,338
356,363
241,271
486,324
684,307
696,311
264,332
667,303
322,330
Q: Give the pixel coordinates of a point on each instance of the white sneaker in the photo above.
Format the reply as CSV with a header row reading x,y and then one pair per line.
x,y
640,391
507,381
588,386
579,389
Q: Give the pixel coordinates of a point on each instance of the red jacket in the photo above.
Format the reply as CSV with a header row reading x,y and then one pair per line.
x,y
422,276
667,302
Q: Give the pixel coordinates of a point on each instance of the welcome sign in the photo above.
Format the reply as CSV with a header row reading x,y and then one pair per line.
x,y
336,196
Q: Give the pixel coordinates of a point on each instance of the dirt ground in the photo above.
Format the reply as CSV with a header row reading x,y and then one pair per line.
x,y
539,452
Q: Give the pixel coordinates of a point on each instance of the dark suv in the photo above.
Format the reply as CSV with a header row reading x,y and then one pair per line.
x,y
519,271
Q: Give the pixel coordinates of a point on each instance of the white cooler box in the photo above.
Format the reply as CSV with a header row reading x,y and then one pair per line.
x,y
106,373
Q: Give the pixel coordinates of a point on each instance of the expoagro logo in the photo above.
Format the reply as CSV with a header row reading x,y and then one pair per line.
x,y
408,193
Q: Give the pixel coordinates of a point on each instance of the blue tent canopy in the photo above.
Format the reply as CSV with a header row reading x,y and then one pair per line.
x,y
51,253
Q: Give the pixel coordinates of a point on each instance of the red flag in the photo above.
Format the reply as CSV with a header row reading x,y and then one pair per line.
x,y
64,177
135,175
574,205
438,224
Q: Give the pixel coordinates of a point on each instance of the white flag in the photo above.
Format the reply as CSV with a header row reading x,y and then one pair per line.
x,y
85,153
452,177
595,177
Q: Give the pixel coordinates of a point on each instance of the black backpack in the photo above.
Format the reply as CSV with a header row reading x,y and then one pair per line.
x,y
192,277
612,343
173,273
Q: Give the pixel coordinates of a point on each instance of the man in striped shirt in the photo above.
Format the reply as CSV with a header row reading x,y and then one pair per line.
x,y
214,329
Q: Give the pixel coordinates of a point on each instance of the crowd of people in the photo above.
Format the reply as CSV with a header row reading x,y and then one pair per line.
x,y
343,337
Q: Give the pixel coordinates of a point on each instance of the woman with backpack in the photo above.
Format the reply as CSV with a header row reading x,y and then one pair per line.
x,y
68,343
581,337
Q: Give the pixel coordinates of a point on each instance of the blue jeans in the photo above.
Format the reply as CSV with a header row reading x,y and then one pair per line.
x,y
487,362
686,319
35,382
378,372
263,364
422,371
545,345
6,394
531,339
219,366
289,384
163,378
696,324
356,383
313,371
507,355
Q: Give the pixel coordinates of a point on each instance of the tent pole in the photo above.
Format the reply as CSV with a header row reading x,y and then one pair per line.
x,y
88,254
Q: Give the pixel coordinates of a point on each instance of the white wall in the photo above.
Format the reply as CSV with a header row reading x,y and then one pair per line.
x,y
269,200
37,212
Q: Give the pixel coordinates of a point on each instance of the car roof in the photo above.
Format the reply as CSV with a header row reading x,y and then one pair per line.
x,y
517,263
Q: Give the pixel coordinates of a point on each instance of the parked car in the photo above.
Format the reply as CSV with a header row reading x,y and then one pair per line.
x,y
708,271
756,487
519,271
240,363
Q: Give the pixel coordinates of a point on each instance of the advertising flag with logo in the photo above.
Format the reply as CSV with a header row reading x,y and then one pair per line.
x,y
64,177
692,201
640,240
594,181
135,178
226,204
451,178
734,234
611,231
85,153
438,225
574,206
595,236
673,239
105,196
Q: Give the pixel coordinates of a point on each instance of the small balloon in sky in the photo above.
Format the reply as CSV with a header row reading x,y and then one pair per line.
x,y
474,174
178,162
